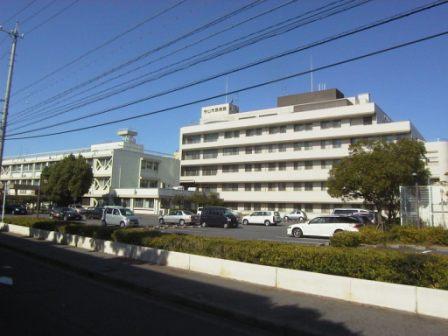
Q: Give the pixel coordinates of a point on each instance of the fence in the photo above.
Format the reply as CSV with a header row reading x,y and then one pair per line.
x,y
424,205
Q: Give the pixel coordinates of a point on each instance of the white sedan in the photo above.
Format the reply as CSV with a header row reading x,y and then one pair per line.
x,y
324,226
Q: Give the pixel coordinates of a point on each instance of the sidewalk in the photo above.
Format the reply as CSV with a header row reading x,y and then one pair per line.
x,y
279,311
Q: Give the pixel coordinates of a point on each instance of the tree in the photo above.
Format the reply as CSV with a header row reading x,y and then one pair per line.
x,y
202,199
374,171
67,180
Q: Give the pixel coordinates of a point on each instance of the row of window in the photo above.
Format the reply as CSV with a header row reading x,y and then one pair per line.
x,y
258,167
299,127
279,186
282,147
286,207
144,203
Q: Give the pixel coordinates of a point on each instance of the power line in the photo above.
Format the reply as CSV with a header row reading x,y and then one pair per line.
x,y
197,30
18,12
179,49
62,10
102,45
37,12
171,42
273,81
249,65
297,23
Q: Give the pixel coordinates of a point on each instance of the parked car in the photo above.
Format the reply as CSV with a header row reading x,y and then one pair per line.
x,y
366,219
64,213
78,208
263,217
94,212
295,215
14,209
354,211
117,215
218,216
180,217
324,226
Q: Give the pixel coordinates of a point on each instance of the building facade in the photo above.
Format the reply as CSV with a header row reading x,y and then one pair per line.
x,y
122,169
280,158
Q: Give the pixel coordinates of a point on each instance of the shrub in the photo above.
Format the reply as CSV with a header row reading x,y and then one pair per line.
x,y
134,235
99,232
346,239
413,235
372,236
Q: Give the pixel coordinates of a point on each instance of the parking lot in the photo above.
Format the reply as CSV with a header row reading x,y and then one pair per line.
x,y
244,232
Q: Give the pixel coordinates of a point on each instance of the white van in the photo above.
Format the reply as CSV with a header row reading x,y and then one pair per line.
x,y
117,215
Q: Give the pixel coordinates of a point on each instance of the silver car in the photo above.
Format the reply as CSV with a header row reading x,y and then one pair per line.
x,y
180,217
116,215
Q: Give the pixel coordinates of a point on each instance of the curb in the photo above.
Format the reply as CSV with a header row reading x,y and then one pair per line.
x,y
250,320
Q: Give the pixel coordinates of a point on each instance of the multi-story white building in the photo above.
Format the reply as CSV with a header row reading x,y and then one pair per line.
x,y
279,158
140,179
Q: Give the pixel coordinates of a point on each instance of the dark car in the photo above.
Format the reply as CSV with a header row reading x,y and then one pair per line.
x,y
365,219
64,214
94,213
218,216
14,209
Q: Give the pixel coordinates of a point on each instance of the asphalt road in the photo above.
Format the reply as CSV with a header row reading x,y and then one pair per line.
x,y
44,300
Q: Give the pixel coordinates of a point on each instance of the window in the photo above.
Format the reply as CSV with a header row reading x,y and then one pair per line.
x,y
190,155
325,164
308,186
308,207
336,123
337,143
248,167
248,187
282,129
282,148
191,139
272,148
273,130
209,171
272,166
230,187
230,151
230,169
247,206
367,121
330,123
248,150
211,137
210,154
271,186
138,203
282,186
303,127
308,165
302,146
258,149
257,167
231,134
298,165
257,206
190,171
297,186
282,166
271,206
254,131
257,186
323,186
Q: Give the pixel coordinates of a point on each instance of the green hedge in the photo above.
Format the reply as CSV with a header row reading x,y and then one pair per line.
x,y
94,231
346,239
365,263
397,235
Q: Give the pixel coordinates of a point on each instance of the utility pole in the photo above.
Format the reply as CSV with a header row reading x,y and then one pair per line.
x,y
15,35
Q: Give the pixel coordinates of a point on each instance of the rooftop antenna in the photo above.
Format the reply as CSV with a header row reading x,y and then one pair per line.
x,y
311,74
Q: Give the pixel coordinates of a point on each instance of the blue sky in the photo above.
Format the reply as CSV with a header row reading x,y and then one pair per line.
x,y
408,84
